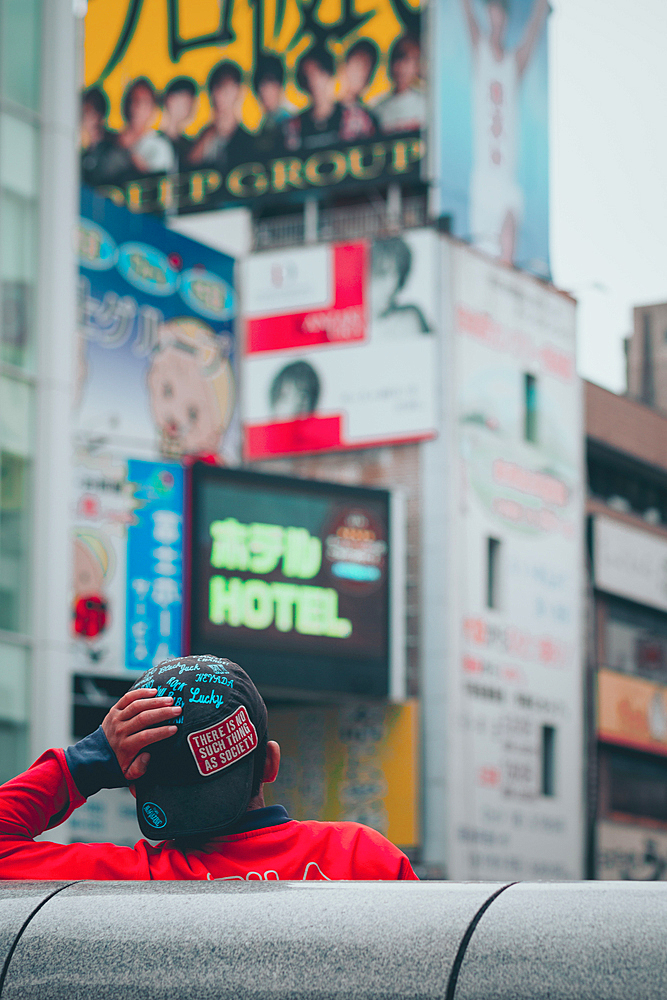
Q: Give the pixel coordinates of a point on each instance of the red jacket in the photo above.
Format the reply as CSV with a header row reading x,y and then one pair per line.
x,y
268,844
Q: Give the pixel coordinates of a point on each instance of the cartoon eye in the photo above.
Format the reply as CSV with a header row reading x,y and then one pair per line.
x,y
193,413
167,390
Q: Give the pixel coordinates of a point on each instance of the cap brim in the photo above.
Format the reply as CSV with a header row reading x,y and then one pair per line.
x,y
205,807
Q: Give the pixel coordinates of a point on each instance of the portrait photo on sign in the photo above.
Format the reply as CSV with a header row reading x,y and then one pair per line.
x,y
367,374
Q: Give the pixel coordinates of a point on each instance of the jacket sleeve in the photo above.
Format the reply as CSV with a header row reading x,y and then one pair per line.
x,y
43,797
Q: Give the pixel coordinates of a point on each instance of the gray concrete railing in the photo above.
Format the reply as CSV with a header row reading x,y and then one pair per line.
x,y
284,940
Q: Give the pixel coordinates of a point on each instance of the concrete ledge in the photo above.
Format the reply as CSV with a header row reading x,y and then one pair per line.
x,y
325,940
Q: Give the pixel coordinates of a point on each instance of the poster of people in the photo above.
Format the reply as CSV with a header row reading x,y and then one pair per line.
x,y
340,345
155,367
490,141
189,105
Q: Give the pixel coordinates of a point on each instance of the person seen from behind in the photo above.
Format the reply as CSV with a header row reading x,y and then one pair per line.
x,y
190,739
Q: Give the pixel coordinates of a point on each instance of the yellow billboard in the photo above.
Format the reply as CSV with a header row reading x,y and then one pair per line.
x,y
632,712
190,104
356,761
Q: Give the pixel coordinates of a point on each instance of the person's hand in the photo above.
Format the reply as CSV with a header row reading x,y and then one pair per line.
x,y
126,727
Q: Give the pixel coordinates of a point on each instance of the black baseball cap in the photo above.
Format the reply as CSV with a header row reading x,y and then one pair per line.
x,y
200,779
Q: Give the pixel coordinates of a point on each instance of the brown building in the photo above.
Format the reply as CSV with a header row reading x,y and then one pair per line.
x,y
647,356
627,533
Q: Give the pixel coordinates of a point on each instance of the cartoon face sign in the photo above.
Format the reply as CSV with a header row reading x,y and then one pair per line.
x,y
191,389
89,568
93,564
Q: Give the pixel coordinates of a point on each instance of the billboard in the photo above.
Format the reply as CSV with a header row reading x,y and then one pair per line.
x,y
156,357
515,693
632,712
356,762
489,142
190,106
630,563
291,578
340,345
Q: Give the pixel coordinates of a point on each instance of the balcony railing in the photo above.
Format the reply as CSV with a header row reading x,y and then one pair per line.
x,y
352,222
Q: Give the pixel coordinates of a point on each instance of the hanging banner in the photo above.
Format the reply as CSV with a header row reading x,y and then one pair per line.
x,y
189,106
340,345
490,143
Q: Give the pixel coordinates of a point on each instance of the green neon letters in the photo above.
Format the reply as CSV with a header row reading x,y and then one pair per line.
x,y
257,604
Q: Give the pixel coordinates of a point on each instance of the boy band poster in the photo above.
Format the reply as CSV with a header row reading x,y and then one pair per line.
x,y
188,106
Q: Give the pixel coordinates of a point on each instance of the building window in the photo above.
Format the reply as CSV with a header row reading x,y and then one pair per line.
x,y
492,573
548,760
13,710
20,39
637,784
635,640
628,488
530,408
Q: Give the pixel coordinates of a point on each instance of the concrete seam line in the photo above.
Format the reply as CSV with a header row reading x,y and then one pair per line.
x,y
465,941
10,953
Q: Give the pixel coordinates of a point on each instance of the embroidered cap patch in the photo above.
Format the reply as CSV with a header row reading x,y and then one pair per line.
x,y
222,745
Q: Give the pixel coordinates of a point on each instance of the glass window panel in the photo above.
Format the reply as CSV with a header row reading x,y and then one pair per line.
x,y
14,546
15,416
636,641
13,710
20,53
18,257
18,156
13,683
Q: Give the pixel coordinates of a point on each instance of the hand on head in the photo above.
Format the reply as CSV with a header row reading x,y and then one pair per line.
x,y
127,727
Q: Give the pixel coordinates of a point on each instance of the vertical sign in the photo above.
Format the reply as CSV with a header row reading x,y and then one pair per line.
x,y
154,565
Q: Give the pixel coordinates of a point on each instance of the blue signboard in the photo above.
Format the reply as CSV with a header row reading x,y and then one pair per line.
x,y
156,360
153,628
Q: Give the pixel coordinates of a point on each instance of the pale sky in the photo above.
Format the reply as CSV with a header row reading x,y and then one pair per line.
x,y
608,138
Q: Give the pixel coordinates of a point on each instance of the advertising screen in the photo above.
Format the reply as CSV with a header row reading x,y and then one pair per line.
x,y
191,105
489,144
290,578
340,345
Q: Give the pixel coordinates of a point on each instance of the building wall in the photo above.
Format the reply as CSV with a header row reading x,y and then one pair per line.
x,y
513,699
626,426
38,180
647,356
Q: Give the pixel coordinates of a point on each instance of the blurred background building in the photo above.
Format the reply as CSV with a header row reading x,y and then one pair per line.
x,y
627,523
646,352
310,399
37,199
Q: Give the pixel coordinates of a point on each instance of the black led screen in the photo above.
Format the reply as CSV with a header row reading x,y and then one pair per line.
x,y
290,578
